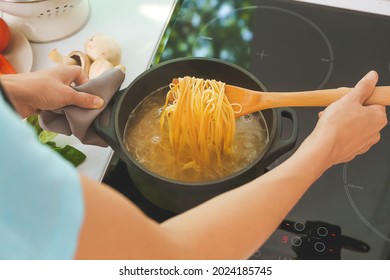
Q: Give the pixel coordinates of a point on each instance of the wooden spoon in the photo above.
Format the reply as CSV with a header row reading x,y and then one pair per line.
x,y
252,101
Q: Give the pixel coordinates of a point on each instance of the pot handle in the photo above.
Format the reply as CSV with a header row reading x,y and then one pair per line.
x,y
105,124
281,146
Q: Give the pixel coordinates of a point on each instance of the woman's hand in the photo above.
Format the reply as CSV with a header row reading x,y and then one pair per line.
x,y
349,128
48,90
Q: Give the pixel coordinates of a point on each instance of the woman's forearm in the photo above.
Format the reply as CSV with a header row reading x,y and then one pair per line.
x,y
235,224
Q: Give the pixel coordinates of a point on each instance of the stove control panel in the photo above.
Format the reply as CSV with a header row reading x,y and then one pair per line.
x,y
308,240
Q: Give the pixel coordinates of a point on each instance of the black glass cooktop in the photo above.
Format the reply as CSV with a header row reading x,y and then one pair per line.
x,y
292,46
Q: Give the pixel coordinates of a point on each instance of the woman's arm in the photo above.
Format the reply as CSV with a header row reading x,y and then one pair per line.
x,y
235,224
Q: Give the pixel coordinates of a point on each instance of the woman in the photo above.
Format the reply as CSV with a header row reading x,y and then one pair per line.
x,y
48,211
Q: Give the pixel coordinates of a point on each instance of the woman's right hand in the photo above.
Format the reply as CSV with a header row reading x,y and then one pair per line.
x,y
349,128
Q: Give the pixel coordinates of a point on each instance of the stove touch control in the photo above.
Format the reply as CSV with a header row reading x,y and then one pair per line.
x,y
322,231
296,241
319,247
299,226
257,253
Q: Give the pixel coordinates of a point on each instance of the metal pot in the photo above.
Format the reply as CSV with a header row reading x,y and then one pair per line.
x,y
177,196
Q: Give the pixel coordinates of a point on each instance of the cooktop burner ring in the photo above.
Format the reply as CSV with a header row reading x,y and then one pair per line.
x,y
281,51
347,186
366,186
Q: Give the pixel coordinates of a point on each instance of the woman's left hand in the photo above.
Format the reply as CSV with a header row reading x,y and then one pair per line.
x,y
48,90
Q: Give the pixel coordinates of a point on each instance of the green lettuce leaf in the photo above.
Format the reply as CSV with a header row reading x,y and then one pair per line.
x,y
69,153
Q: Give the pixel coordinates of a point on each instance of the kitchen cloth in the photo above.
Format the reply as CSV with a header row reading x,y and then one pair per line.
x,y
79,121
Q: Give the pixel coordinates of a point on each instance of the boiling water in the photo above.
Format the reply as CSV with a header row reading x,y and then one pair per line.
x,y
150,146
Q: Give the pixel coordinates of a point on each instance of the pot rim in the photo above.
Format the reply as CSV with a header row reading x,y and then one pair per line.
x,y
271,134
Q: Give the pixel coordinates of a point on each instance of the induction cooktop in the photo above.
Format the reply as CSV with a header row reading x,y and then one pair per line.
x,y
291,46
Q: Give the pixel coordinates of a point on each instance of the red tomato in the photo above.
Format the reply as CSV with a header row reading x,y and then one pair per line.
x,y
5,66
5,35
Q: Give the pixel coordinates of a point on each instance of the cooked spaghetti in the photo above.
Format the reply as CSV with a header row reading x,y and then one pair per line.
x,y
200,121
191,133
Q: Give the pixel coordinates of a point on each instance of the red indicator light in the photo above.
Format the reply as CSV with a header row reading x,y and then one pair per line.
x,y
333,234
285,239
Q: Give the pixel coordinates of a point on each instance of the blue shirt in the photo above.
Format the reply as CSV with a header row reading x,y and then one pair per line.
x,y
41,202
